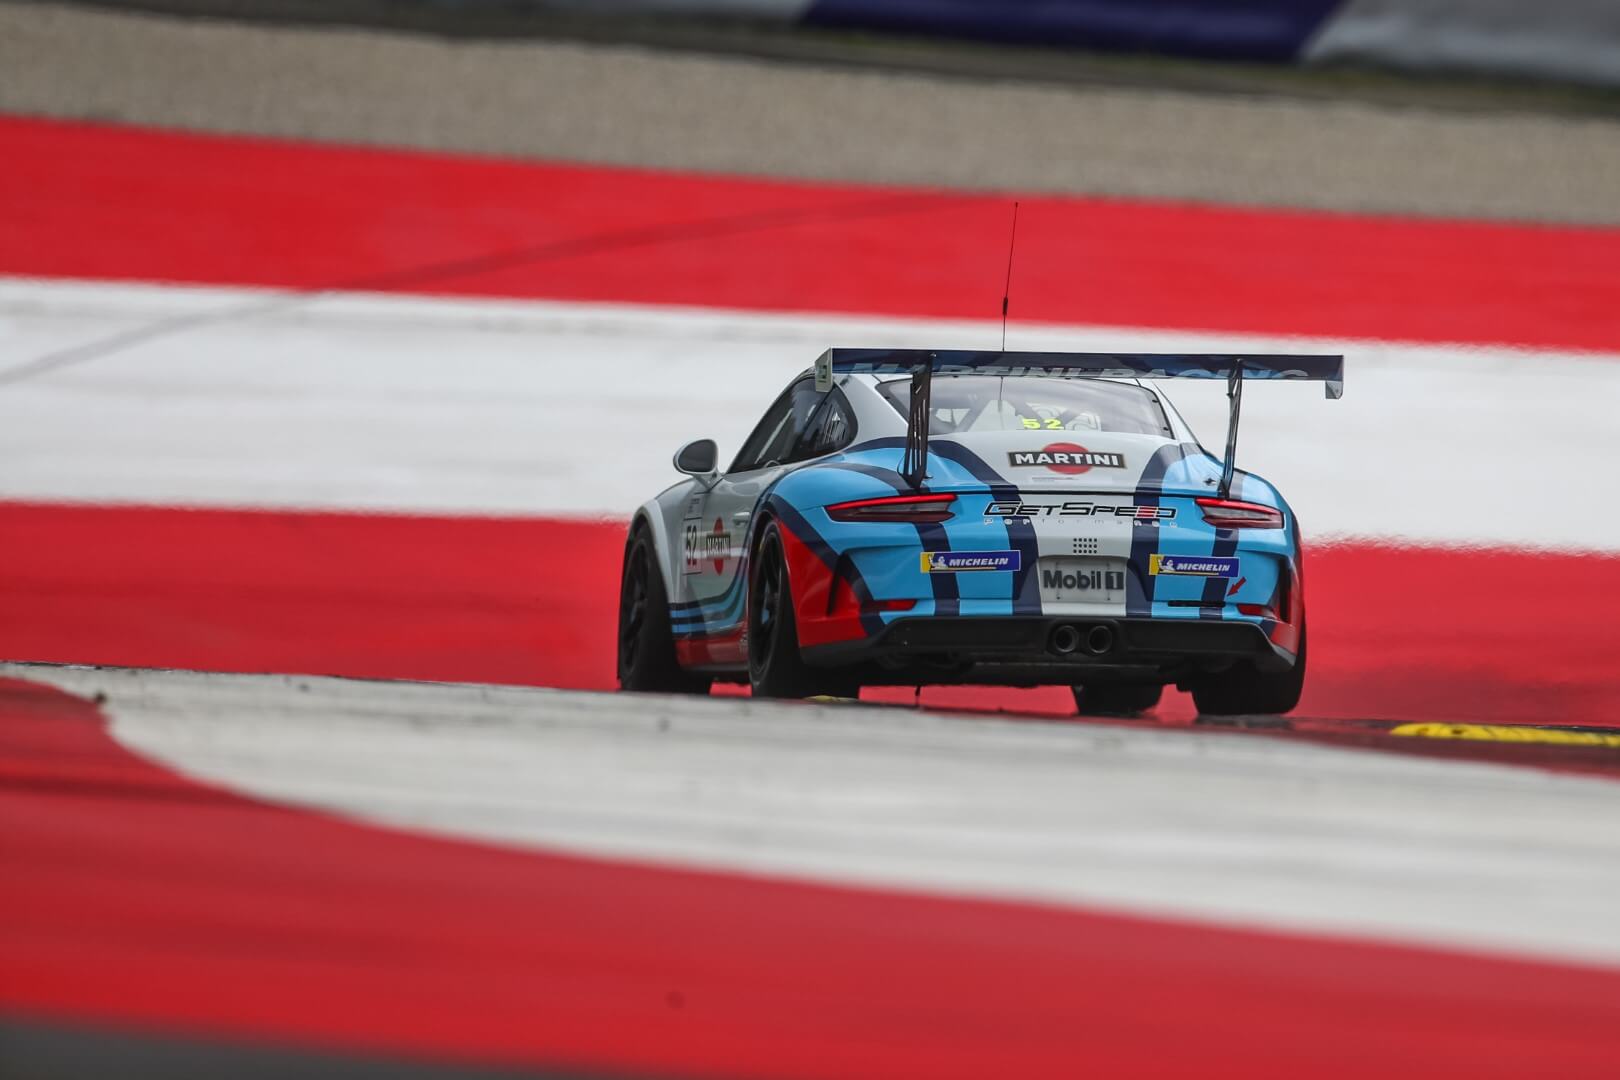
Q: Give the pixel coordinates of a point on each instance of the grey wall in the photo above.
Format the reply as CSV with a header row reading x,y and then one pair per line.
x,y
1560,39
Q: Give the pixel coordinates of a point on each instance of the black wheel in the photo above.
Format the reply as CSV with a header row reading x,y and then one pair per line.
x,y
775,668
1243,690
646,646
1116,699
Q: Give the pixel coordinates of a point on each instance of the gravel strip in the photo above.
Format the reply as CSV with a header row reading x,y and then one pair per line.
x,y
633,106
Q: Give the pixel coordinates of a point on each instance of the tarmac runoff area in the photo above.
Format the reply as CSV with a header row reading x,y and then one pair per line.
x,y
634,106
1263,833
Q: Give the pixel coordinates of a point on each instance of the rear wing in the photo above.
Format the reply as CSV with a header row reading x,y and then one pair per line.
x,y
923,364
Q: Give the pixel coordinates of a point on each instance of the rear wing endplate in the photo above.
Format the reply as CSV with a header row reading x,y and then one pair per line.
x,y
923,364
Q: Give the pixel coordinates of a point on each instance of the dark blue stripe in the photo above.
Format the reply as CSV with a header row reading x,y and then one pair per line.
x,y
689,609
876,472
1274,30
801,528
1026,590
1213,602
947,597
1145,538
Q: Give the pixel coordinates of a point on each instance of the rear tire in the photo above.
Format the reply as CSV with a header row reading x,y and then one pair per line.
x,y
646,644
775,667
1243,690
1116,699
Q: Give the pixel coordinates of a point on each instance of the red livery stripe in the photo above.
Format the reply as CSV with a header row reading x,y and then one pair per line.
x,y
720,649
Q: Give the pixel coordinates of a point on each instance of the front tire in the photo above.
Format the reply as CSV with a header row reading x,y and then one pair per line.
x,y
1243,690
646,644
1116,699
775,667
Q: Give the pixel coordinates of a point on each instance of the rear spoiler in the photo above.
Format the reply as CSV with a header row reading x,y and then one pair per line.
x,y
923,364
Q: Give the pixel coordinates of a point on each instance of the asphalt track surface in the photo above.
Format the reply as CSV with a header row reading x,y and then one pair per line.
x,y
179,854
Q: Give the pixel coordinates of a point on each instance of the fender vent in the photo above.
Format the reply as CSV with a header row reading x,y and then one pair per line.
x,y
1085,546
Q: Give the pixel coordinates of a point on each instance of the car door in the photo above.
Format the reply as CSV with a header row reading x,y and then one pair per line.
x,y
715,530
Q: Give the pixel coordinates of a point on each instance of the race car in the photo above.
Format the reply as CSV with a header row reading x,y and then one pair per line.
x,y
919,517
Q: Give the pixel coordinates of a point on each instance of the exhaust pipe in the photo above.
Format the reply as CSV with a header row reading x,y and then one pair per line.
x,y
1065,639
1099,640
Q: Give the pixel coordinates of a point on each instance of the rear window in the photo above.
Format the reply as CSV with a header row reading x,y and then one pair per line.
x,y
1025,403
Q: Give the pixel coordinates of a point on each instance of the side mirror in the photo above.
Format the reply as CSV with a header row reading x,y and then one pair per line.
x,y
699,458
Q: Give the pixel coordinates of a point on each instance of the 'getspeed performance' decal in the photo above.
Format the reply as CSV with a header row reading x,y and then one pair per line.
x,y
961,562
1020,509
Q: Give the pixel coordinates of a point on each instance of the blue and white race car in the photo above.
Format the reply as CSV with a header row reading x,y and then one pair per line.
x,y
912,517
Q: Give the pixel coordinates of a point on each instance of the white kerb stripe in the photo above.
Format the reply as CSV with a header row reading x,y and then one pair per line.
x,y
501,407
1245,831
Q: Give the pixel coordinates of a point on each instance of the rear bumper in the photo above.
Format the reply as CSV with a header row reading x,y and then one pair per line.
x,y
1024,650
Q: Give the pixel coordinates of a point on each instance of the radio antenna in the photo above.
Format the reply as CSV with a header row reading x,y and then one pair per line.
x,y
1006,288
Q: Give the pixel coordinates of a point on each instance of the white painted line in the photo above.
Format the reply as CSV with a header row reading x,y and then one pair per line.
x,y
256,398
1232,830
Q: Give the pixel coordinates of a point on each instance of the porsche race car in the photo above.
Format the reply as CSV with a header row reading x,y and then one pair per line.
x,y
913,517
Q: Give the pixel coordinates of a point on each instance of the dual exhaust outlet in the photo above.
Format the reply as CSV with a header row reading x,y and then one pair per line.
x,y
1095,640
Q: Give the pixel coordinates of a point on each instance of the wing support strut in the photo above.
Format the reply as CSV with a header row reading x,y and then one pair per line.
x,y
914,461
1234,409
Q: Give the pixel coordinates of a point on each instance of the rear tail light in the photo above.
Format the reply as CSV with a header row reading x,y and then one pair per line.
x,y
1231,514
908,509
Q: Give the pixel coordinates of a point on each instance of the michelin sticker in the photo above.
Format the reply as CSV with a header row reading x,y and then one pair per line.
x,y
1206,566
962,562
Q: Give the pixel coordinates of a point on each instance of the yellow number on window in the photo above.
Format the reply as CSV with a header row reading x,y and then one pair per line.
x,y
1054,422
1031,423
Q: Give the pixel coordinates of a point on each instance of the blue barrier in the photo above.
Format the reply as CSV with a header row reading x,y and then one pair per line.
x,y
1234,29
1560,39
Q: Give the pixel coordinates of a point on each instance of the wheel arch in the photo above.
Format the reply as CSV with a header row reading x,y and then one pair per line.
x,y
762,522
649,518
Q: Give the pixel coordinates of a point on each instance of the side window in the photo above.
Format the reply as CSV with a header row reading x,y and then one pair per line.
x,y
830,429
780,429
799,425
